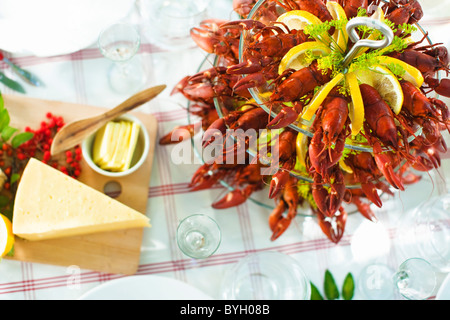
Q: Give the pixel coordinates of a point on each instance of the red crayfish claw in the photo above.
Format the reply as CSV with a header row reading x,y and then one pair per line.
x,y
285,117
279,220
180,133
385,162
333,227
234,198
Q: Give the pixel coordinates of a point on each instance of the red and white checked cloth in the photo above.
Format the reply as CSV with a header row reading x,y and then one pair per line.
x,y
81,77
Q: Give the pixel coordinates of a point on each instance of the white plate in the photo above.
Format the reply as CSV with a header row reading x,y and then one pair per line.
x,y
444,290
54,27
145,288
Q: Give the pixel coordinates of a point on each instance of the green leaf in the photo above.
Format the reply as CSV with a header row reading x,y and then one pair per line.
x,y
4,119
21,138
315,294
2,102
330,288
16,86
14,177
8,132
4,200
11,252
348,288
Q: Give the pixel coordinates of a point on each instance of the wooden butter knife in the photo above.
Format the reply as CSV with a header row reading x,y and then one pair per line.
x,y
75,132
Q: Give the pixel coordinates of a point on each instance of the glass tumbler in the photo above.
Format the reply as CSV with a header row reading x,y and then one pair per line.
x,y
198,236
267,275
169,21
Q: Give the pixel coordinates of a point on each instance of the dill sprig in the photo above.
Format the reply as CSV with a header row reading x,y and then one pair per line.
x,y
332,62
305,192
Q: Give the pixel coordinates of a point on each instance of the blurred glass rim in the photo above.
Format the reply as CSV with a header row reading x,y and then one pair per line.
x,y
152,8
119,32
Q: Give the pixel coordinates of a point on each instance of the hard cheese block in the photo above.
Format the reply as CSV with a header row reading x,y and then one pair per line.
x,y
50,204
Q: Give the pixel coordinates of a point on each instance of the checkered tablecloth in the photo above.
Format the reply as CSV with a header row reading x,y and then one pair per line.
x,y
81,77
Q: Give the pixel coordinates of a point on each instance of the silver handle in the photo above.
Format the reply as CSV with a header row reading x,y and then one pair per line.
x,y
374,44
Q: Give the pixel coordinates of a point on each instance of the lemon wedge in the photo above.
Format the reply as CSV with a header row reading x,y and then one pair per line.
x,y
298,19
356,107
295,58
320,96
344,166
378,14
385,82
340,37
6,236
301,148
411,74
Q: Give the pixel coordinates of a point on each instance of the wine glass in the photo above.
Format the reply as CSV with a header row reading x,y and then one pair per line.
x,y
168,22
268,275
415,279
425,232
198,236
120,43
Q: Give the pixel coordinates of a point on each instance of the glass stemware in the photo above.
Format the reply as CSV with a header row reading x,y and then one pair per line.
x,y
266,275
120,43
169,21
415,279
425,232
198,236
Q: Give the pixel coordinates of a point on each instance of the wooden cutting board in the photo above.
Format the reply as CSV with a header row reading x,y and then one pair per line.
x,y
110,252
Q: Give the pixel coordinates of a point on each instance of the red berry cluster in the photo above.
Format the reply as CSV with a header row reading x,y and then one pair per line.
x,y
39,147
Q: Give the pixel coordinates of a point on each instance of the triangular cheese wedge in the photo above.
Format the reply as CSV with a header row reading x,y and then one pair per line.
x,y
50,204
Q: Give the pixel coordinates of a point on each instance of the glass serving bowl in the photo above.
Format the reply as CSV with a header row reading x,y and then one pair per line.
x,y
261,94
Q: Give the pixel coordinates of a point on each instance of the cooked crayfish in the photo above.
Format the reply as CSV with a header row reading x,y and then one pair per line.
x,y
329,200
220,41
330,131
286,155
316,7
299,83
333,227
403,11
286,208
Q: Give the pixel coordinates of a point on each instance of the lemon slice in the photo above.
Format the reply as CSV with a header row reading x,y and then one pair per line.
x,y
295,58
344,166
356,107
378,14
301,148
320,96
298,19
6,236
340,37
411,74
385,82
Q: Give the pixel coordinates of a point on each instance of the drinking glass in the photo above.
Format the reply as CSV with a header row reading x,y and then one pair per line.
x,y
198,236
168,22
120,43
425,232
266,276
415,279
375,282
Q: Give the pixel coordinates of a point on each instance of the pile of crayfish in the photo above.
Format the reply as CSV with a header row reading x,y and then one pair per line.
x,y
401,145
